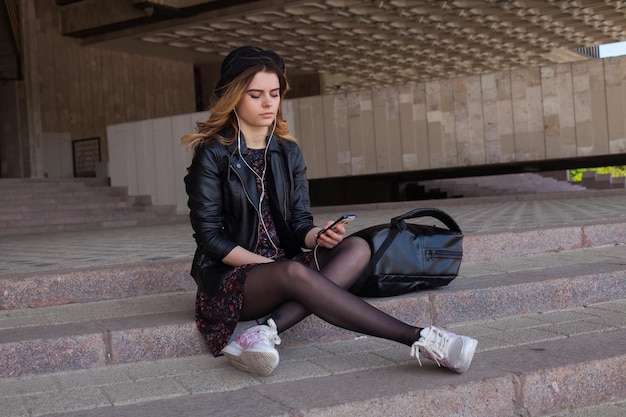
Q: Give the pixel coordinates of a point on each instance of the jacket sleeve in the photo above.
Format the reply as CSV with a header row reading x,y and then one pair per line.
x,y
203,186
301,219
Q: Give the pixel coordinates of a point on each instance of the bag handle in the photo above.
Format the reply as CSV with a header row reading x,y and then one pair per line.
x,y
442,216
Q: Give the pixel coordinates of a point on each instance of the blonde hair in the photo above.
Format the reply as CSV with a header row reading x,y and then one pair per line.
x,y
222,115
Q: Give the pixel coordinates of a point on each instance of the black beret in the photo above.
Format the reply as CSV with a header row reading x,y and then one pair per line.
x,y
240,59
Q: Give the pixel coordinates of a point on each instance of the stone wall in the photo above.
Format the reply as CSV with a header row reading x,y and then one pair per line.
x,y
560,111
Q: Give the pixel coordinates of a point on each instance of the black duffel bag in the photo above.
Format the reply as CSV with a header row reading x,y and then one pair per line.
x,y
409,257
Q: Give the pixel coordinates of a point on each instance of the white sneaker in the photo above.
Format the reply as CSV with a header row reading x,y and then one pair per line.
x,y
445,348
253,350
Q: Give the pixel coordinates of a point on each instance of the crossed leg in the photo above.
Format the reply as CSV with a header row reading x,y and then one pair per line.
x,y
290,291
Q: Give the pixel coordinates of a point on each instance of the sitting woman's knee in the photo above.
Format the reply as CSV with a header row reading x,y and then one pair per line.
x,y
295,270
360,249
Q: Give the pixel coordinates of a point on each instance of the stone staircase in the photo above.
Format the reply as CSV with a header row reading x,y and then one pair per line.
x,y
548,306
499,185
53,205
593,180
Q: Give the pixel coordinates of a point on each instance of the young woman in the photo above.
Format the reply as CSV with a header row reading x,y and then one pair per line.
x,y
259,256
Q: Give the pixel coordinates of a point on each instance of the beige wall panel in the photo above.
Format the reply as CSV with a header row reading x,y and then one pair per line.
x,y
448,125
597,85
311,139
381,145
617,120
506,127
164,143
145,168
551,110
408,134
521,117
181,125
461,121
122,166
57,156
330,135
318,141
582,109
395,134
387,130
356,134
615,76
368,139
535,118
289,111
147,157
435,129
565,90
420,123
476,120
618,145
493,149
336,135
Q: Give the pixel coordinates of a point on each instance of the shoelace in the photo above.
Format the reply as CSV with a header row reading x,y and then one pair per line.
x,y
272,335
435,343
261,333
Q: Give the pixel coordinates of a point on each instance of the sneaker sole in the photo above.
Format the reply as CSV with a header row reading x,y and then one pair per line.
x,y
259,363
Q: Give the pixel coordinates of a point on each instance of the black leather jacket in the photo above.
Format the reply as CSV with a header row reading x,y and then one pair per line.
x,y
223,203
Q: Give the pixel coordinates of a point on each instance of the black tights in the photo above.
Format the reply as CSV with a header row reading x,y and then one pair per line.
x,y
290,291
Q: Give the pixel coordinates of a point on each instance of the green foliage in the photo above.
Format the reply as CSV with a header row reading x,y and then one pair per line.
x,y
616,171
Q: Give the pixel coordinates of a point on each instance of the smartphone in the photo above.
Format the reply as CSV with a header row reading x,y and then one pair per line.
x,y
345,219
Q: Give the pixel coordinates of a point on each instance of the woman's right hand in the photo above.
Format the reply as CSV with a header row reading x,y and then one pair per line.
x,y
331,237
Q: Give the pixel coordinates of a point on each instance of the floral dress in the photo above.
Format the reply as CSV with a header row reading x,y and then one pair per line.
x,y
217,313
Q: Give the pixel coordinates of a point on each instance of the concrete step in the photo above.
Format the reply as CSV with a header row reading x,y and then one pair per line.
x,y
168,271
33,193
42,205
90,219
577,362
47,183
74,336
143,220
498,185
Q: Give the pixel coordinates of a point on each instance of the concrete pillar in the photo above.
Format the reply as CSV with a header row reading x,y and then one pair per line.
x,y
33,82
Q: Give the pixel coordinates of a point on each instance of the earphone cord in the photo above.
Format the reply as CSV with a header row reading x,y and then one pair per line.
x,y
260,177
317,264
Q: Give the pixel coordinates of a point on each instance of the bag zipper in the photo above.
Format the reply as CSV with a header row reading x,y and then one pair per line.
x,y
431,254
